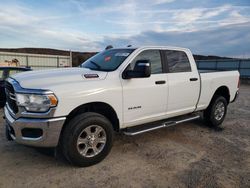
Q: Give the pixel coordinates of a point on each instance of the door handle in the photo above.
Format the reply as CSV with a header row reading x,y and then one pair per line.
x,y
160,82
193,79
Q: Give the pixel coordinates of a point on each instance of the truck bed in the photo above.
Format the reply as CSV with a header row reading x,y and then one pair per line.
x,y
212,80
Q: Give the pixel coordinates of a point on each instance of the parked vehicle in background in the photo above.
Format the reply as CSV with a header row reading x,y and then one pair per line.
x,y
12,63
5,72
129,90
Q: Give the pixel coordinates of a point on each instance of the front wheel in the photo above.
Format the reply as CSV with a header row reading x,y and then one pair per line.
x,y
87,139
216,111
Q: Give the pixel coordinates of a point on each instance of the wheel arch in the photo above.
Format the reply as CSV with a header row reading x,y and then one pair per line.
x,y
222,91
98,107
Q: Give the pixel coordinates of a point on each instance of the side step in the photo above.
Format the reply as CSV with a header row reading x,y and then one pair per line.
x,y
158,125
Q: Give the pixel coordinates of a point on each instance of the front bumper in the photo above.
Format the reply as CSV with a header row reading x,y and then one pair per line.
x,y
50,130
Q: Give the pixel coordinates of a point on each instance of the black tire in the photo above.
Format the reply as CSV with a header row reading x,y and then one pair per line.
x,y
2,104
74,129
210,113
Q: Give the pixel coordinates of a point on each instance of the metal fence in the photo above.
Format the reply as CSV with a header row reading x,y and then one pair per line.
x,y
37,61
242,65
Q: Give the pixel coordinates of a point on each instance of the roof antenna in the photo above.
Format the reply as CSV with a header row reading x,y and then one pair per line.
x,y
108,47
129,45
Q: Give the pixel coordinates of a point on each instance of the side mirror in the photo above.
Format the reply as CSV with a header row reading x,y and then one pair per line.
x,y
142,69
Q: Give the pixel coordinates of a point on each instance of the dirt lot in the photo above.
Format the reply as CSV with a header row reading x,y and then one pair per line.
x,y
188,155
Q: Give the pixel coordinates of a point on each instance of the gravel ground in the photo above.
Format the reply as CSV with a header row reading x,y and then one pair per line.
x,y
187,155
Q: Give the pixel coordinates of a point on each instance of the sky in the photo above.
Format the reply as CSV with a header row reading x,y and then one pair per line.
x,y
207,27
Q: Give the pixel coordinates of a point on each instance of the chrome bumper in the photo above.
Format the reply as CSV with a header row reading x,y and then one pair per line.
x,y
51,129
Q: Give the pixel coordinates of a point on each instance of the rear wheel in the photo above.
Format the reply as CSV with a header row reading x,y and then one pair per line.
x,y
216,111
87,139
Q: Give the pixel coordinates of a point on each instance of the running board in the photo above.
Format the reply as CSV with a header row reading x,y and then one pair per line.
x,y
153,126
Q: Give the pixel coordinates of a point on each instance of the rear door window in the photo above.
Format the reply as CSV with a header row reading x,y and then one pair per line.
x,y
177,61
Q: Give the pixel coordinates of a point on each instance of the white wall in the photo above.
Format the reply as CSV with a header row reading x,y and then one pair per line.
x,y
37,61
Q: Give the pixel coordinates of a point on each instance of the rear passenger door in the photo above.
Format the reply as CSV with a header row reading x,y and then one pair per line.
x,y
183,83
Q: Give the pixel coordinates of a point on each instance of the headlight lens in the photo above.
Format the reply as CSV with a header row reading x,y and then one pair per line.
x,y
35,102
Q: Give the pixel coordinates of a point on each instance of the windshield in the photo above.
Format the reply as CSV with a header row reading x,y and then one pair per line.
x,y
108,60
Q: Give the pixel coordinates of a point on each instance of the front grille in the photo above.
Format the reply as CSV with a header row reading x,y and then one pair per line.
x,y
11,97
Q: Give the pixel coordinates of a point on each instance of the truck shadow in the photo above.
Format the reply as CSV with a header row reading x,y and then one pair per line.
x,y
201,123
120,138
54,154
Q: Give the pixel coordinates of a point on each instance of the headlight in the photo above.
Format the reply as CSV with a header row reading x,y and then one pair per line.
x,y
35,102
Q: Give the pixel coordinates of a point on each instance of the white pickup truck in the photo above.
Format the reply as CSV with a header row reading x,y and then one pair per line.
x,y
129,90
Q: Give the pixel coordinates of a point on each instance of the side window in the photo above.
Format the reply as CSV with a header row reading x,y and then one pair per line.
x,y
177,61
153,56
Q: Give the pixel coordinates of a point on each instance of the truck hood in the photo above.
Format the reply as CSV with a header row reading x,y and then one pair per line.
x,y
44,79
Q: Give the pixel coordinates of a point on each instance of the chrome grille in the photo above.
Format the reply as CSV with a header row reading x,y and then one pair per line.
x,y
11,97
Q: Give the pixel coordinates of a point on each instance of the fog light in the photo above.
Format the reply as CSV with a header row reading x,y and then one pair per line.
x,y
32,132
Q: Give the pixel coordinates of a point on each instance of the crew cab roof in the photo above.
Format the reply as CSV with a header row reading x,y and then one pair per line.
x,y
155,47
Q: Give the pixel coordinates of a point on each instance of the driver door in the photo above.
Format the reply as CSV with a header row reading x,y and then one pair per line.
x,y
145,99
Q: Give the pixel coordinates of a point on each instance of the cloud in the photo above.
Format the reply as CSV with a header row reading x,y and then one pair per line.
x,y
197,14
229,40
226,14
143,17
190,19
20,27
157,2
88,26
15,16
